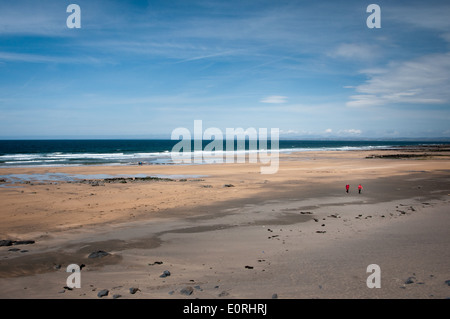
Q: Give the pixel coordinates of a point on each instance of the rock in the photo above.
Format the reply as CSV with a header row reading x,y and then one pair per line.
x,y
410,280
98,254
223,294
133,290
321,231
103,293
23,242
249,267
116,296
275,296
228,185
156,263
165,274
447,282
6,242
187,291
14,249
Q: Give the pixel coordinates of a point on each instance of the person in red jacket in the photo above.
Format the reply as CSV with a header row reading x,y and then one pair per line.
x,y
360,188
347,188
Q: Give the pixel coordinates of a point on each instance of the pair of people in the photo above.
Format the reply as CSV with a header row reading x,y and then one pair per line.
x,y
347,187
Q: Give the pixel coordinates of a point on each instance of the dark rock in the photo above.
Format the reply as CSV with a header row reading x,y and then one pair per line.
x,y
187,291
447,282
6,242
13,249
23,242
103,293
133,290
228,185
98,254
249,267
223,294
116,296
165,274
275,296
156,263
321,231
410,280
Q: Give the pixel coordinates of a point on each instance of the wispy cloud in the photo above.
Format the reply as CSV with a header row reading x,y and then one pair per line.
x,y
424,80
355,51
274,99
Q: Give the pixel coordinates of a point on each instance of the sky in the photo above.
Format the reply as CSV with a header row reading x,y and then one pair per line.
x,y
140,69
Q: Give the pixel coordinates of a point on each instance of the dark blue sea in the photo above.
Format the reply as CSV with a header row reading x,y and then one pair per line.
x,y
126,152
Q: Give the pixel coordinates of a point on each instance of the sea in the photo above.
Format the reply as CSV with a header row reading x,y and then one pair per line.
x,y
28,153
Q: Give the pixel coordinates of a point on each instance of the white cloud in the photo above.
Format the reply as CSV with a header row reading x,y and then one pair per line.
x,y
350,132
328,130
274,99
424,80
355,51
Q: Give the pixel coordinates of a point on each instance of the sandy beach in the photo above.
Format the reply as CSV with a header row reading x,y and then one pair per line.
x,y
227,231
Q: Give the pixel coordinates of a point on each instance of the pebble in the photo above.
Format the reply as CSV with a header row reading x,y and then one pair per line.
x,y
103,293
133,290
98,254
165,274
187,291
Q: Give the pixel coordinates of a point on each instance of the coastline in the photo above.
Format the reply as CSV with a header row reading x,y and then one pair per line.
x,y
296,233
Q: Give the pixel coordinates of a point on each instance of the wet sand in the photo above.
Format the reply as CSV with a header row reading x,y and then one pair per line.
x,y
233,232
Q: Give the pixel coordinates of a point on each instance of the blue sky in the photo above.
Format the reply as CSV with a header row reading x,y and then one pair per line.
x,y
313,69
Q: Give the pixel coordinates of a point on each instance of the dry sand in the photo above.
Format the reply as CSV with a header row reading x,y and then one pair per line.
x,y
296,233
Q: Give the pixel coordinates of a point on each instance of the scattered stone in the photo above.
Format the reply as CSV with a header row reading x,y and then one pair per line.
x,y
6,242
165,274
171,292
223,294
103,293
156,263
228,185
98,254
410,280
133,290
275,296
316,220
116,296
13,249
447,282
321,231
187,291
23,242
57,267
249,267
305,213
198,288
68,288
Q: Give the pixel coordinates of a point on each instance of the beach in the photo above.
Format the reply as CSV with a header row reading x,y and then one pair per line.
x,y
228,231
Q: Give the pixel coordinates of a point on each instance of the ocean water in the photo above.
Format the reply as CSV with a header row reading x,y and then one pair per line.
x,y
15,153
